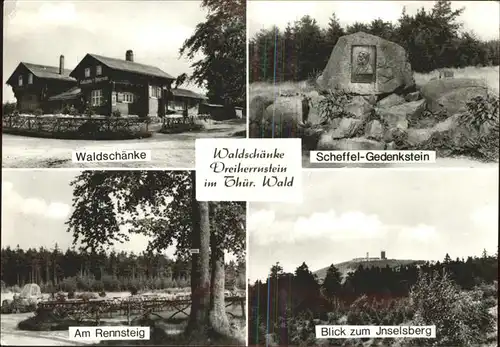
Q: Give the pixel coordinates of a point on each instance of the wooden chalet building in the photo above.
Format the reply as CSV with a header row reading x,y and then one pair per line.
x,y
69,98
182,99
34,84
110,84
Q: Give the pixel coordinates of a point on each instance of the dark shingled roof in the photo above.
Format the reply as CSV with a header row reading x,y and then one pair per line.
x,y
129,66
212,105
70,94
52,72
185,93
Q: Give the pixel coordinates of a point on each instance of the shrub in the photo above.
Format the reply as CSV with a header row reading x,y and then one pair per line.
x,y
8,108
133,290
84,282
480,110
38,112
69,284
111,283
97,286
62,296
182,283
301,330
48,288
400,138
482,117
489,290
117,113
69,109
460,318
89,111
312,78
333,105
165,282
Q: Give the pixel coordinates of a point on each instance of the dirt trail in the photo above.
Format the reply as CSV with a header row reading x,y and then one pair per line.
x,y
11,336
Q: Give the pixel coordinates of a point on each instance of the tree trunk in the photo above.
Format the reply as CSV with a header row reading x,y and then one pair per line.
x,y
47,272
218,317
200,276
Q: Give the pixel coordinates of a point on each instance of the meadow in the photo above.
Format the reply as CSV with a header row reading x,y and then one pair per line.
x,y
488,74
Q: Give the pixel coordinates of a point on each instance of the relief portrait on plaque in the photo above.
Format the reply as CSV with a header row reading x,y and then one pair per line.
x,y
363,63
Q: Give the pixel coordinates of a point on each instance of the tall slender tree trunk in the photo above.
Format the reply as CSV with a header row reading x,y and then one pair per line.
x,y
217,315
200,275
47,271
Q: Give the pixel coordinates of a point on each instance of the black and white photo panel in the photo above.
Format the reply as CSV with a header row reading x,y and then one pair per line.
x,y
377,258
414,82
120,83
129,256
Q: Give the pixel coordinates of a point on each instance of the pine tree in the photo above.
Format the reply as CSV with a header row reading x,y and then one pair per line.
x,y
332,285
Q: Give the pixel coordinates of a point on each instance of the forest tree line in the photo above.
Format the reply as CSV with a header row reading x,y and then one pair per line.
x,y
433,39
302,291
114,271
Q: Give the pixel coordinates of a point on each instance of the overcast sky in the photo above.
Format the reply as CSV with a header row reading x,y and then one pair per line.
x,y
35,206
419,215
37,203
40,31
479,16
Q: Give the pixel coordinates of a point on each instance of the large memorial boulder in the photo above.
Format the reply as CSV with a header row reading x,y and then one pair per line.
x,y
365,64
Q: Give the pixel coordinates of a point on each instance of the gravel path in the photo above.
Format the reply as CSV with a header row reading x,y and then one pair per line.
x,y
10,336
167,150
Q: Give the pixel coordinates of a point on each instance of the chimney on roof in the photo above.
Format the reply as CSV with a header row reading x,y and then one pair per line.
x,y
382,255
367,255
61,65
129,56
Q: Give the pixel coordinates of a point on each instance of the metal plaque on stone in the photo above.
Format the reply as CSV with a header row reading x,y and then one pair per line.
x,y
363,64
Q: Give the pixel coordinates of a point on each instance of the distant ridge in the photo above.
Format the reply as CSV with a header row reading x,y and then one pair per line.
x,y
351,265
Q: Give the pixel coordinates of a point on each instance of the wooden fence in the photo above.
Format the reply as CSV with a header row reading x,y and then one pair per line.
x,y
56,124
175,120
133,309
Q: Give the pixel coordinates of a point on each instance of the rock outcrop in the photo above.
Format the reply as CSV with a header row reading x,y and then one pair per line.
x,y
366,100
450,95
383,66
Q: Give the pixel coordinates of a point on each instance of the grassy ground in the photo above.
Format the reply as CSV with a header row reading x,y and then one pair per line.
x,y
167,150
172,327
488,74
